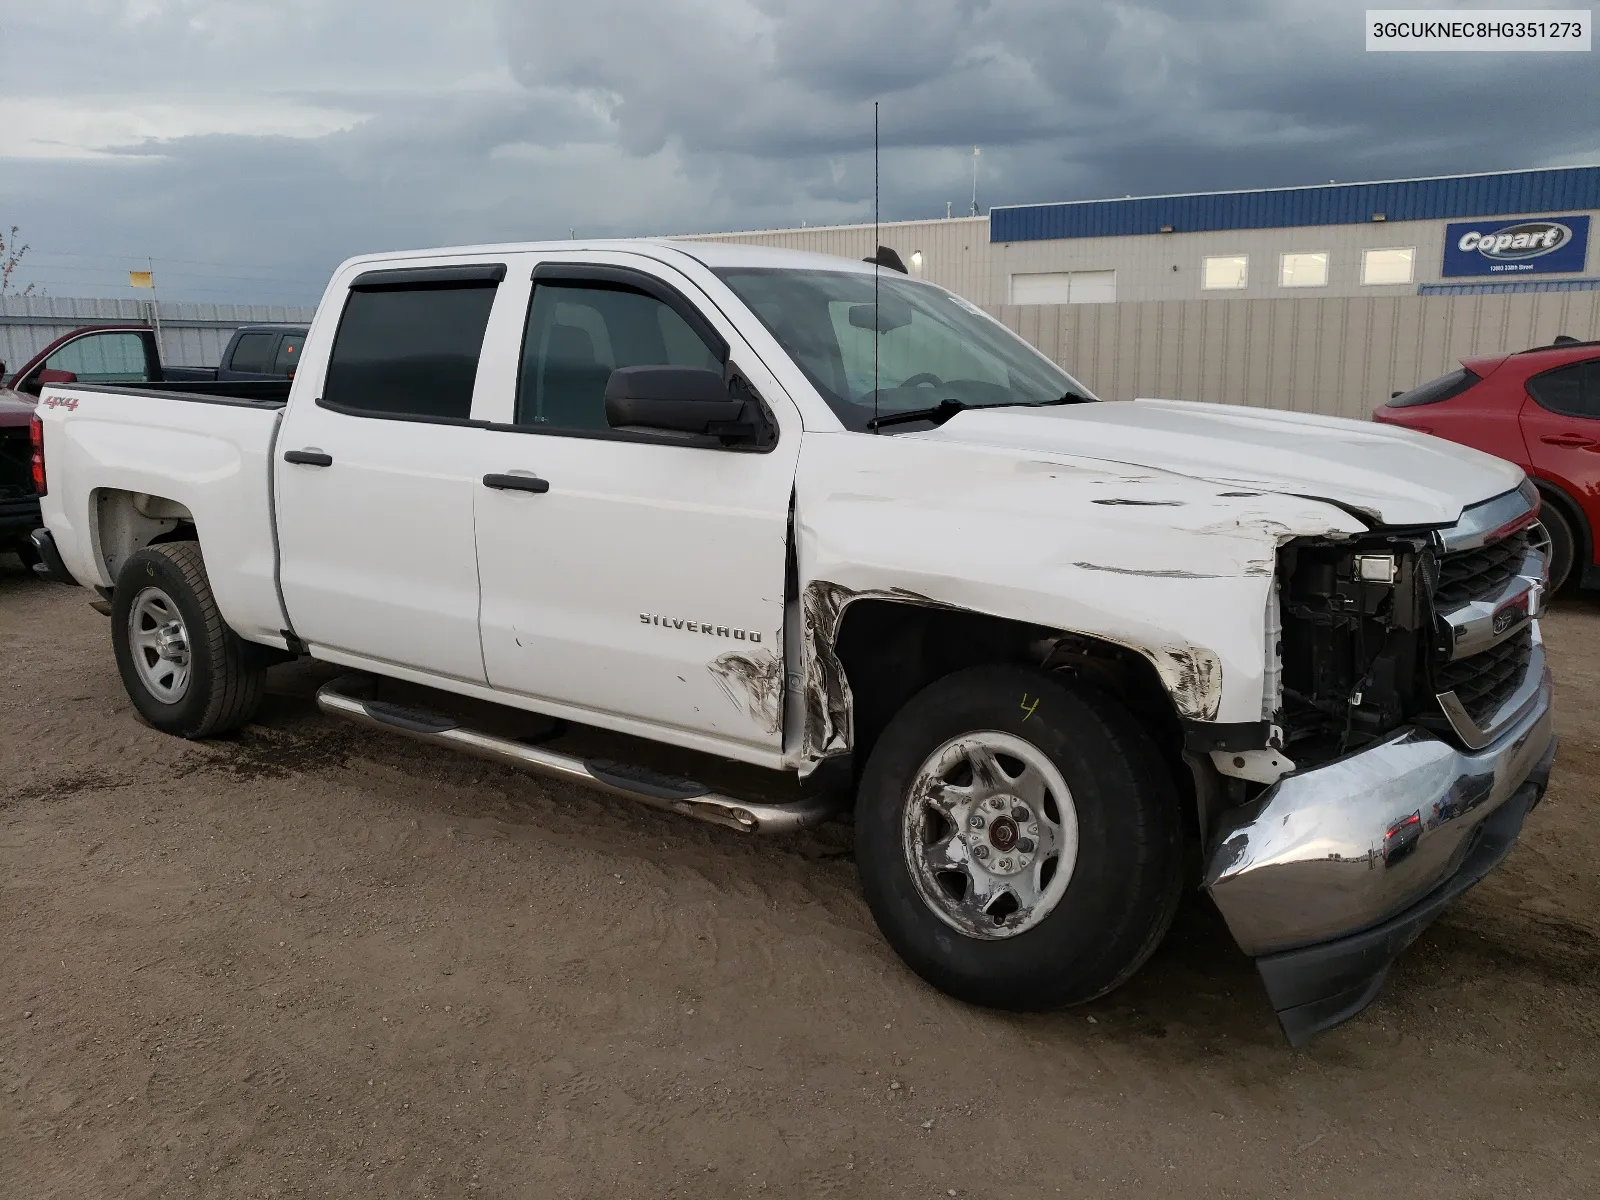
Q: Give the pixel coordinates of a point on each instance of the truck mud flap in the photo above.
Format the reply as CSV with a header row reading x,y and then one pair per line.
x,y
349,697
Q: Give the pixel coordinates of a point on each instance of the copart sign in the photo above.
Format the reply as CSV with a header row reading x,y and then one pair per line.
x,y
1519,246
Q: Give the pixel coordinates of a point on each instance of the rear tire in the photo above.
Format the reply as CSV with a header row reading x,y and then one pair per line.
x,y
185,671
1066,934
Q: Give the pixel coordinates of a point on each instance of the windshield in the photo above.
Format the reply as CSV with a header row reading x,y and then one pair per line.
x,y
925,345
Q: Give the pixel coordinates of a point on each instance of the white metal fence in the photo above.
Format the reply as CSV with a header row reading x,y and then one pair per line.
x,y
1339,356
193,335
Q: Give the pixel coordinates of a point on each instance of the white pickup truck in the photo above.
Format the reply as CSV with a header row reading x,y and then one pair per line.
x,y
811,514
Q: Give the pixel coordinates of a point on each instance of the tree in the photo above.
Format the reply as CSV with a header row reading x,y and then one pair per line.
x,y
10,259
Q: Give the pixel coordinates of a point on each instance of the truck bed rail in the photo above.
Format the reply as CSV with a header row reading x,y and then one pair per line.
x,y
250,393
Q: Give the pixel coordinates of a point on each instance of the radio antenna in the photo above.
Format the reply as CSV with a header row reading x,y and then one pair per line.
x,y
877,270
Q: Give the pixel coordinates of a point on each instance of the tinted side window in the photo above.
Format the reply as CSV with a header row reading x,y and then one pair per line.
x,y
1573,390
577,334
253,352
103,358
288,355
409,351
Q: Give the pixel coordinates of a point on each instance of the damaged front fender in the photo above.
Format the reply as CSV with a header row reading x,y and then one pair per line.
x,y
1193,679
1192,675
1177,570
826,730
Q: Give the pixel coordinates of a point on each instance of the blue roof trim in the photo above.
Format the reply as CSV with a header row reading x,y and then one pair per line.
x,y
1491,289
1555,189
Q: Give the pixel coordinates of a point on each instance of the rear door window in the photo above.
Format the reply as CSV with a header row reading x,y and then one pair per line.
x,y
411,349
1572,391
253,353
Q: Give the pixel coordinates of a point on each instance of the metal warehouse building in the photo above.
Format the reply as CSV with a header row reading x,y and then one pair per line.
x,y
1400,237
1319,299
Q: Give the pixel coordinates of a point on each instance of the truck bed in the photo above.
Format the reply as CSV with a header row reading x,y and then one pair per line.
x,y
126,463
261,393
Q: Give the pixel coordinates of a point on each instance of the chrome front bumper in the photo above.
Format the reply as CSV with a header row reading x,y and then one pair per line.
x,y
1373,841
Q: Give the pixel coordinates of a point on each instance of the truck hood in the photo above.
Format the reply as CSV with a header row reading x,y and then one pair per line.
x,y
1392,475
15,408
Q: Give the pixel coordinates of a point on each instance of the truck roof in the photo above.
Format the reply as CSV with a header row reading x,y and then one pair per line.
x,y
711,254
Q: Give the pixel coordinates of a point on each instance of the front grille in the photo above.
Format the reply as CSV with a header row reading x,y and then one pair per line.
x,y
1476,574
1485,681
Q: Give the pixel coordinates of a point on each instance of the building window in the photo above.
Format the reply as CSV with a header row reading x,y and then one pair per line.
x,y
1064,287
1388,266
1307,269
1225,271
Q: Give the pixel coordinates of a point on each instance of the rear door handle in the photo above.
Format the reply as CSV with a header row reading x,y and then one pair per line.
x,y
517,483
308,458
1571,440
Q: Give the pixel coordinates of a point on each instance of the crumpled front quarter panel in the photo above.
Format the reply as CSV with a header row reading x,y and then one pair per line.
x,y
1175,568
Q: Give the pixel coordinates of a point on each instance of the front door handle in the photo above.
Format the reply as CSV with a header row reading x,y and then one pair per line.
x,y
1573,441
308,458
517,483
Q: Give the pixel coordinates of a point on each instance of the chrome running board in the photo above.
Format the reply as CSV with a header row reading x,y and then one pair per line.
x,y
682,796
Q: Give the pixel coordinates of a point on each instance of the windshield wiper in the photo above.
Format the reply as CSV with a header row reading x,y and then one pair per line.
x,y
947,408
938,414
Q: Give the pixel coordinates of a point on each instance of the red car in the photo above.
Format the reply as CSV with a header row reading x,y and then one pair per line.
x,y
1541,410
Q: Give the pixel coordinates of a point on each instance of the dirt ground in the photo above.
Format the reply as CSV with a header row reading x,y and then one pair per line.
x,y
319,961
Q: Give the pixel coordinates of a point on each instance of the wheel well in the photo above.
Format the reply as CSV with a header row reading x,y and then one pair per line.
x,y
1583,550
891,650
126,522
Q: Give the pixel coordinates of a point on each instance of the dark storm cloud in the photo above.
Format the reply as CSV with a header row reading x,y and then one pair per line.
x,y
1067,100
490,119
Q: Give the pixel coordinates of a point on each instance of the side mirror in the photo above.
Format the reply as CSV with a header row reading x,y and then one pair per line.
x,y
690,400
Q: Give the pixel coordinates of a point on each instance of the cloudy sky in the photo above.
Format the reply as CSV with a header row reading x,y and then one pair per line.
x,y
249,145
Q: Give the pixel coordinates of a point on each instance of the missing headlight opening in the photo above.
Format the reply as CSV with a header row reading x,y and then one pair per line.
x,y
1356,621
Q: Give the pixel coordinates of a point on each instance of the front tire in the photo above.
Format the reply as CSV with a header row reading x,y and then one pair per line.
x,y
185,671
1019,839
